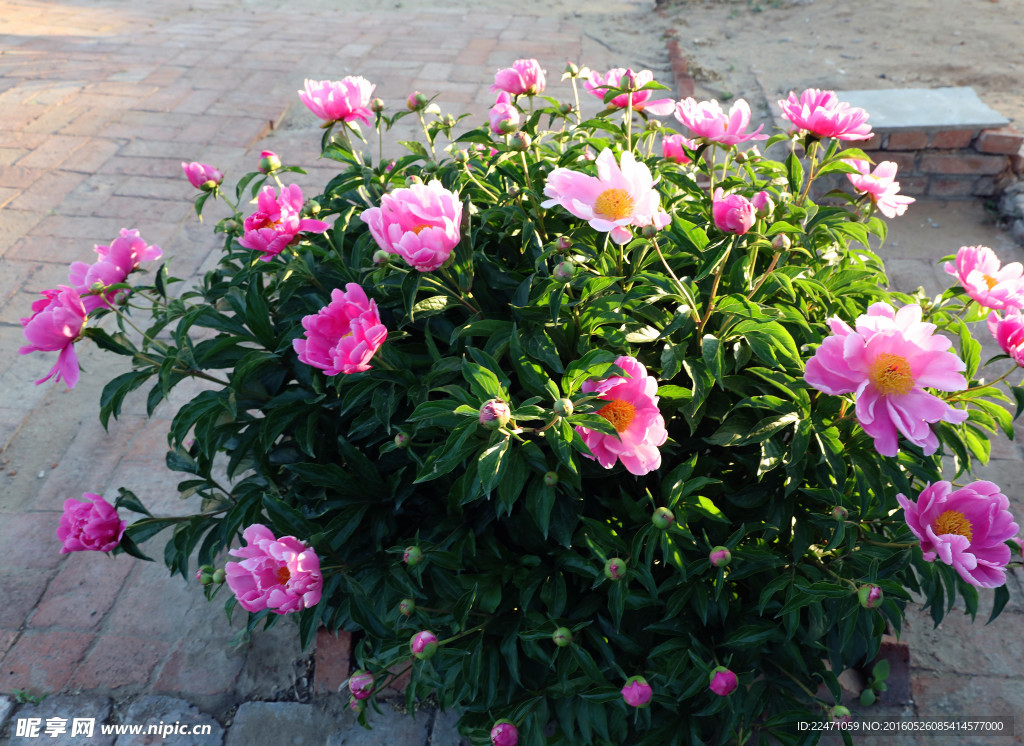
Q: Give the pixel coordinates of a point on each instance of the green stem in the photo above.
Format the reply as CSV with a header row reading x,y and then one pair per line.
x,y
682,290
714,289
533,196
760,282
426,133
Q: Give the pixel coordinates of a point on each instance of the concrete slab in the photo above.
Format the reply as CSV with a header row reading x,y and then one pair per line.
x,y
275,724
161,711
924,109
388,726
57,721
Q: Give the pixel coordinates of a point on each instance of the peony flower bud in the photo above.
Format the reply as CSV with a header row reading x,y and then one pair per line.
x,y
763,204
361,684
563,407
209,186
663,518
423,645
722,681
460,156
565,109
551,478
377,105
269,162
205,578
840,513
628,80
839,714
870,596
504,733
781,242
564,272
572,69
720,556
414,179
564,243
381,257
649,231
219,576
416,101
402,440
412,556
521,141
615,569
494,414
637,692
506,126
407,607
562,637
356,705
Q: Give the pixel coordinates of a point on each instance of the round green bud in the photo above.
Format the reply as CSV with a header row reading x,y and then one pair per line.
x,y
564,272
551,478
402,440
663,518
381,257
407,607
781,242
412,556
563,407
840,513
377,105
521,141
720,556
562,637
219,576
615,569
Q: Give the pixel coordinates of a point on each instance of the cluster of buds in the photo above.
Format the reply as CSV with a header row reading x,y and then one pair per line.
x,y
207,575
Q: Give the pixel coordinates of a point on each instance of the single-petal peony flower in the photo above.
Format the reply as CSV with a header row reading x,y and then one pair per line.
x,y
989,284
618,77
822,114
966,529
89,526
282,575
732,213
618,197
361,684
880,185
277,222
504,733
504,116
344,335
706,119
524,78
115,263
672,148
420,223
202,176
723,681
887,361
637,692
339,100
54,326
1009,333
633,409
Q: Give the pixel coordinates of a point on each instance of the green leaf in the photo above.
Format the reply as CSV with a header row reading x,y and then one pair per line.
x,y
482,381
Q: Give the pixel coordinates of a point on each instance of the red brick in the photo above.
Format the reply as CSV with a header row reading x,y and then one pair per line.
x,y
952,139
905,162
48,191
43,660
876,142
966,163
333,657
30,540
200,667
22,590
53,152
83,592
7,638
951,186
1003,141
117,661
907,141
1017,162
986,186
915,186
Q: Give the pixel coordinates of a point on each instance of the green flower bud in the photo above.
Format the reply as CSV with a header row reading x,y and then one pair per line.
x,y
416,101
381,257
564,272
870,596
781,242
551,478
377,105
219,576
412,556
407,607
494,414
521,141
563,407
720,556
615,569
840,513
402,440
663,518
562,637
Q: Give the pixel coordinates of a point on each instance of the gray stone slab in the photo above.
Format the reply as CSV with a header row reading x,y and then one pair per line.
x,y
6,706
925,109
160,711
274,724
445,732
389,728
58,714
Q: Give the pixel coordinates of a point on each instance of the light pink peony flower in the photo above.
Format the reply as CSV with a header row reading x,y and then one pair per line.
x,y
344,335
880,185
282,575
978,270
524,78
420,223
732,213
618,197
89,526
887,361
504,116
723,681
1009,333
277,222
633,409
706,119
200,175
339,100
504,733
115,263
618,77
672,148
637,692
55,324
966,529
822,114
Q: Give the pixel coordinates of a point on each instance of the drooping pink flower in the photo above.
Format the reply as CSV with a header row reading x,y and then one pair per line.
x,y
618,77
504,116
202,176
822,114
344,335
282,575
632,409
54,326
420,223
732,213
504,733
672,148
89,526
880,185
339,100
888,360
989,284
524,78
277,222
723,681
115,263
1009,333
617,198
966,529
706,119
637,692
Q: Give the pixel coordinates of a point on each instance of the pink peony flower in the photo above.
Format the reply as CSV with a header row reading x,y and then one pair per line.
x,y
637,692
344,335
420,223
1009,333
89,526
504,733
880,185
504,116
633,409
361,684
282,575
978,270
202,176
524,78
672,148
966,529
618,77
55,324
115,263
706,119
887,361
732,213
723,681
615,199
339,100
277,222
821,114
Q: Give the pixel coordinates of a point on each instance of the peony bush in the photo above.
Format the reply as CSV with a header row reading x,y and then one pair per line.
x,y
601,446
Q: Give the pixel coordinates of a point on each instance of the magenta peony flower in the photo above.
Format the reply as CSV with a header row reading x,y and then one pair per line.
x,y
277,222
617,77
524,78
880,185
1009,333
504,116
821,114
637,692
723,681
361,684
420,223
89,526
978,270
55,324
115,263
202,176
966,529
344,335
706,119
282,575
732,213
633,409
423,645
887,361
672,148
504,733
339,100
618,197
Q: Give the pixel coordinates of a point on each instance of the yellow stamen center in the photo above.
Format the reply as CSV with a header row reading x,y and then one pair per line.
x,y
283,576
618,412
990,281
953,522
419,228
614,204
891,374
